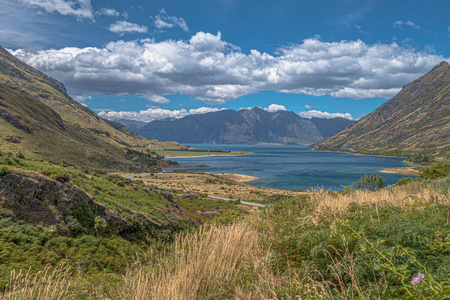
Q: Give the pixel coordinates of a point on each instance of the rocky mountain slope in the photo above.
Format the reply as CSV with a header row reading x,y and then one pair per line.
x,y
39,119
416,120
255,126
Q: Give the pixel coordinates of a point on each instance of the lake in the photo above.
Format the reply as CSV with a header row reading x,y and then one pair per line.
x,y
293,167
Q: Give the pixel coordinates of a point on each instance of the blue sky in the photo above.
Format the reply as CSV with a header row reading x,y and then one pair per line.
x,y
147,60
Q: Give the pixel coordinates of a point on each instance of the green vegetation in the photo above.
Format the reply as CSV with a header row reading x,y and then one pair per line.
x,y
371,182
365,243
94,247
370,252
436,170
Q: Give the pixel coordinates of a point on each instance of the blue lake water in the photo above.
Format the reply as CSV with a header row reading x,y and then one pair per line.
x,y
293,167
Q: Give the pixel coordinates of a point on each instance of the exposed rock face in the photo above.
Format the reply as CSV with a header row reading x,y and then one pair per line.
x,y
416,120
43,202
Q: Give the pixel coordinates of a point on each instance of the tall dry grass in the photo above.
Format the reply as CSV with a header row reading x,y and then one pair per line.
x,y
203,265
44,285
404,197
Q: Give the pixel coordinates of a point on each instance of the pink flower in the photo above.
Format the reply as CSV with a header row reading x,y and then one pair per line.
x,y
417,279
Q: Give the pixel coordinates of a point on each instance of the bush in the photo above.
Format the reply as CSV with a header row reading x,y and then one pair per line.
x,y
403,181
371,182
436,170
4,171
61,177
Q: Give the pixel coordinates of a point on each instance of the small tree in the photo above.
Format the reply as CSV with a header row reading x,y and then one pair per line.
x,y
371,182
100,225
436,170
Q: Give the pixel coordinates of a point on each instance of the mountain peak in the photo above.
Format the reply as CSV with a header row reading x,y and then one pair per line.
x,y
416,120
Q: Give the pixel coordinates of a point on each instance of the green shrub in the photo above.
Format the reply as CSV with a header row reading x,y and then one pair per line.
x,y
118,180
4,171
436,170
61,177
371,182
403,181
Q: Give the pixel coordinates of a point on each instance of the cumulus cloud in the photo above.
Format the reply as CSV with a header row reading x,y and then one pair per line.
x,y
122,27
324,115
144,115
212,70
81,99
204,110
164,21
82,9
158,99
400,24
307,106
110,12
275,107
248,108
155,113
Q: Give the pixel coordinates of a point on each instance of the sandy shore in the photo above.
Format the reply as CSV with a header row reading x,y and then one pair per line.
x,y
402,170
237,177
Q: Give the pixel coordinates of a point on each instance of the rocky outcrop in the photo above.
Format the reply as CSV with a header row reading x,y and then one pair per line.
x,y
42,202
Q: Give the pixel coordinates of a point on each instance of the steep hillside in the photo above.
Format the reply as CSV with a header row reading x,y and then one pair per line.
x,y
328,127
254,126
40,120
416,120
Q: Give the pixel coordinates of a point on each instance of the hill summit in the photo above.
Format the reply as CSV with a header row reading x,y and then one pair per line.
x,y
247,126
41,121
416,120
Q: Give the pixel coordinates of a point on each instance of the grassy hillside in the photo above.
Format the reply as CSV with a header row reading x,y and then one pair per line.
x,y
94,221
40,120
416,120
322,245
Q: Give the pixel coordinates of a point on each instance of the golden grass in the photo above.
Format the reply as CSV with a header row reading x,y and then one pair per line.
x,y
221,185
202,265
43,285
229,262
404,197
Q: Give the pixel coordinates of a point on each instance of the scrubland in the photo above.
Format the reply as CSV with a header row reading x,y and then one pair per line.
x,y
393,243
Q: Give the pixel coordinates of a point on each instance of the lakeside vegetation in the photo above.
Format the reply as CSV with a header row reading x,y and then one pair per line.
x,y
356,244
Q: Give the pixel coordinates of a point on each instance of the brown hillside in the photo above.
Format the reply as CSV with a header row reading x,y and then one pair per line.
x,y
416,120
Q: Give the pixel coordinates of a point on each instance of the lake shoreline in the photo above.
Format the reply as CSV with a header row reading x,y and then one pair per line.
x,y
294,167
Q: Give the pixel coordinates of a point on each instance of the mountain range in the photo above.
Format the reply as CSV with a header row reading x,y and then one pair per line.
x,y
415,121
41,121
246,126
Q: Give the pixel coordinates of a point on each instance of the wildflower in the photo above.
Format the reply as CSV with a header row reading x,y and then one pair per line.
x,y
417,279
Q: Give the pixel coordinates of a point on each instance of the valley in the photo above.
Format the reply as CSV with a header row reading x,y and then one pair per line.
x,y
191,168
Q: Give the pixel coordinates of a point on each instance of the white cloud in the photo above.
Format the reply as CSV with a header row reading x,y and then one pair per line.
x,y
158,99
359,28
248,108
164,21
307,106
144,115
82,9
122,27
81,99
400,24
155,113
324,115
204,110
105,11
275,107
212,70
